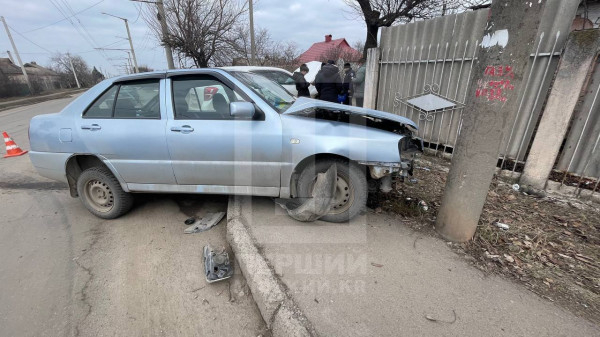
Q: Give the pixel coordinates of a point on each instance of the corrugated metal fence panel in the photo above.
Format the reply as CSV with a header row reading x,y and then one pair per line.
x,y
552,35
438,53
581,153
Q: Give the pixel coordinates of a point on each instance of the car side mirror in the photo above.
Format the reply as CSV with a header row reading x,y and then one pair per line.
x,y
242,109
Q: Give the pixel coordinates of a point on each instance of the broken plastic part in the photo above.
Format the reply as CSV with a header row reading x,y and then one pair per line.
x,y
313,208
206,223
386,184
216,265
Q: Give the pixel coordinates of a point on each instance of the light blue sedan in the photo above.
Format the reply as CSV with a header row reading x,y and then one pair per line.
x,y
217,132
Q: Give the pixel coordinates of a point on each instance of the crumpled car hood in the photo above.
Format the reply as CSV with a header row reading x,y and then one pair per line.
x,y
303,103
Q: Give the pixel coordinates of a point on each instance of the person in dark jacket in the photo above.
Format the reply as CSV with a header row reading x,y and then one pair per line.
x,y
359,84
347,83
328,82
301,83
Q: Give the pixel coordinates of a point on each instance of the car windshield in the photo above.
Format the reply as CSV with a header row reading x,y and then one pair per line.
x,y
271,92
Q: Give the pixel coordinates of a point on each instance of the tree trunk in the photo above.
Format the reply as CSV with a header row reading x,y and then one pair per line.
x,y
371,41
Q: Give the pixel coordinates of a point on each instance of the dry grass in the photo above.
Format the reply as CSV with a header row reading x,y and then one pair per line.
x,y
552,245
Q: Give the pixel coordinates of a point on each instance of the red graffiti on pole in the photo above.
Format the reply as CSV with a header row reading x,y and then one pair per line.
x,y
495,83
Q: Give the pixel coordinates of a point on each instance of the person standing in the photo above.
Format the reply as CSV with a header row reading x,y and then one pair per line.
x,y
301,83
359,84
328,82
347,83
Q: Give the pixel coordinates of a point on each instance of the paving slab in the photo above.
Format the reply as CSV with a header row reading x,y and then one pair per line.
x,y
377,277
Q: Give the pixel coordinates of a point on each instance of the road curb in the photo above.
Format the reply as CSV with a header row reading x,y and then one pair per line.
x,y
277,308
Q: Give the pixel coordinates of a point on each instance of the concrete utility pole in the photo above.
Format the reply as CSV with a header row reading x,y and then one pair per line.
x,y
17,54
498,78
129,38
162,18
73,69
252,43
165,32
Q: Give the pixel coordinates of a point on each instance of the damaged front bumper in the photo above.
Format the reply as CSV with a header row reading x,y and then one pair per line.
x,y
379,170
408,148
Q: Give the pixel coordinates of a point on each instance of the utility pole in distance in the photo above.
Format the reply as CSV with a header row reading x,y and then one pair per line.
x,y
10,56
252,43
73,69
498,78
17,54
162,18
130,42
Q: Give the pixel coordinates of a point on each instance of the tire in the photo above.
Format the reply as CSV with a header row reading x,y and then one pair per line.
x,y
353,180
101,193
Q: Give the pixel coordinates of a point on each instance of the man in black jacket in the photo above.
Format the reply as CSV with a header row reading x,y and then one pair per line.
x,y
328,82
301,84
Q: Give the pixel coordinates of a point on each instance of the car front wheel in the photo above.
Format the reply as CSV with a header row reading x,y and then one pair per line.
x,y
350,198
101,193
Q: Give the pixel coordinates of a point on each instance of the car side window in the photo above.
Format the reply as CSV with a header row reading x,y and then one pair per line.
x,y
278,77
202,97
287,79
138,100
103,106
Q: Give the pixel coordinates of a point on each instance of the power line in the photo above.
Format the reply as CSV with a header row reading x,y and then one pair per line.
x,y
139,12
23,36
81,30
59,21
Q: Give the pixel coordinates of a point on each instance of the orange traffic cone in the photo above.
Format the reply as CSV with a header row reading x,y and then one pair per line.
x,y
12,150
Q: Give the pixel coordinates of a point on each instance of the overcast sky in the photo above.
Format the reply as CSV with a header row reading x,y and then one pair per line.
x,y
303,22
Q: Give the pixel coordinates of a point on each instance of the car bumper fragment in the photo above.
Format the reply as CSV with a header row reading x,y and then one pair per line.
x,y
379,170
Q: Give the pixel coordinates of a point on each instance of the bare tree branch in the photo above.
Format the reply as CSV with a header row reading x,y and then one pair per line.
x,y
385,13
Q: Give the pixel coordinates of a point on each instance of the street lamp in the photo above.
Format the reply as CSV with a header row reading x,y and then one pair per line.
x,y
130,42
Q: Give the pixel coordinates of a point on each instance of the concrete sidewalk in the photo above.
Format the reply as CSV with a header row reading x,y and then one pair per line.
x,y
377,277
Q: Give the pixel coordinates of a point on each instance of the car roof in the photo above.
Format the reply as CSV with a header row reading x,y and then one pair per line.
x,y
254,68
173,72
165,74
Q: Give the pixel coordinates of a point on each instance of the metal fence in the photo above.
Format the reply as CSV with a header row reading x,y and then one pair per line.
x,y
426,66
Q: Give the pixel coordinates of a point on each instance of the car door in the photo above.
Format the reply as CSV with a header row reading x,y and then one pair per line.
x,y
126,126
210,148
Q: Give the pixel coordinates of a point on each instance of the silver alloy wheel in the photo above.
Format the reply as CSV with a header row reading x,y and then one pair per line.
x,y
99,195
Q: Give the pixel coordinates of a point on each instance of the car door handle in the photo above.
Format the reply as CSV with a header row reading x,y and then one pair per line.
x,y
182,129
92,127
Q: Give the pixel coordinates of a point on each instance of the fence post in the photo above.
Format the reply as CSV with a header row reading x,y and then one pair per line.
x,y
575,65
371,78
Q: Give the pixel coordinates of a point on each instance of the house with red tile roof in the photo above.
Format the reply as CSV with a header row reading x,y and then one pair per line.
x,y
330,50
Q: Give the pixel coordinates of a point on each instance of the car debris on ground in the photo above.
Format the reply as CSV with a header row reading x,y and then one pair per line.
x,y
501,225
312,209
207,222
217,266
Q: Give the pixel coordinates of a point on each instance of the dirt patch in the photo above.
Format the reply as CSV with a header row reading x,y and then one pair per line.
x,y
552,244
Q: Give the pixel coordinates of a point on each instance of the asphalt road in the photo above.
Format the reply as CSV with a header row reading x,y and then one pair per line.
x,y
64,272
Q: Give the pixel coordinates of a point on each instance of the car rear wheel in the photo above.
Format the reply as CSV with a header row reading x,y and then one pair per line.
x,y
350,198
101,193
